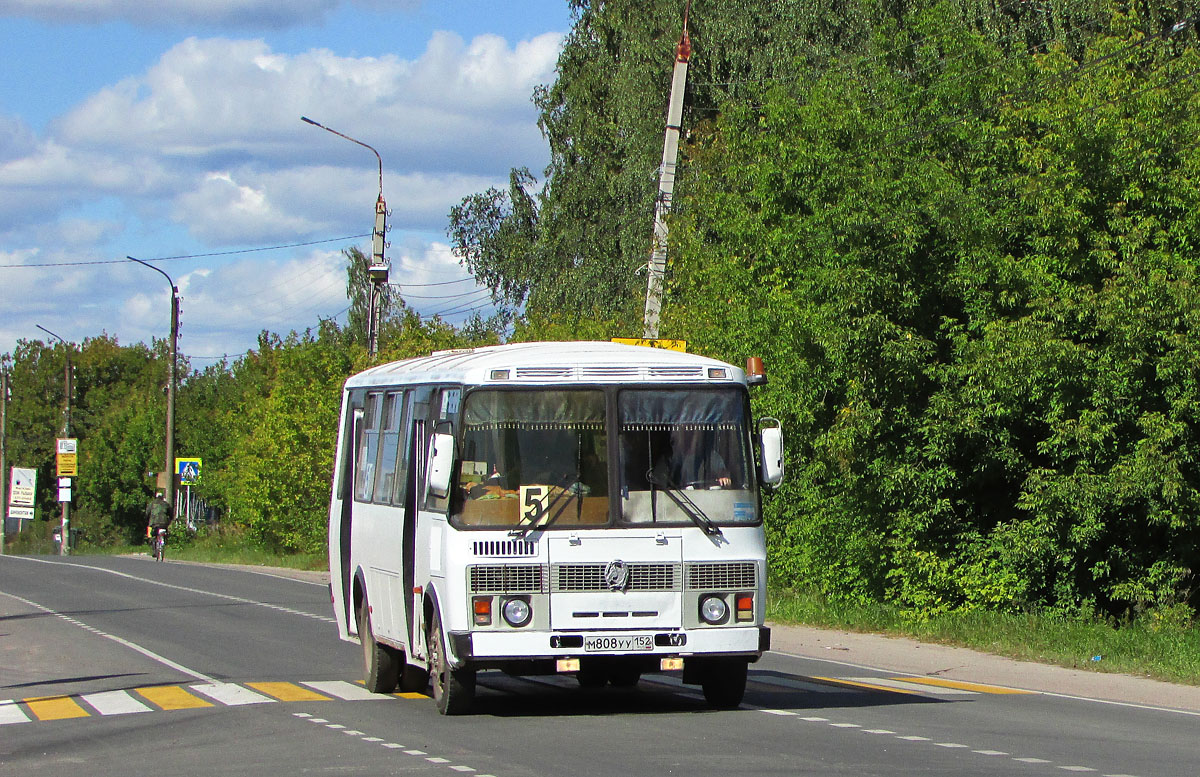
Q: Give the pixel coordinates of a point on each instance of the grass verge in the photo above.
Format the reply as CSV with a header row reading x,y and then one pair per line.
x,y
1163,645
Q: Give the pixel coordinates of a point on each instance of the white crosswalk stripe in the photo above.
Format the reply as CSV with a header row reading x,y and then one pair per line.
x,y
114,703
231,694
346,691
11,713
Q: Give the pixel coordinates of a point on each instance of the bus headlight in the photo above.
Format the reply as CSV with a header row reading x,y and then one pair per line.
x,y
713,610
517,612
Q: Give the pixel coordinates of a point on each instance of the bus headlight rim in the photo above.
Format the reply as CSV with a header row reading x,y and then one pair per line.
x,y
517,612
713,609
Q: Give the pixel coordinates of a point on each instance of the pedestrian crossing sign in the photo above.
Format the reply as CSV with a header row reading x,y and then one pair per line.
x,y
188,471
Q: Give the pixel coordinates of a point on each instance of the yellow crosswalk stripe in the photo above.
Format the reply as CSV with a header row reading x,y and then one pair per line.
x,y
958,684
288,691
172,697
859,684
55,708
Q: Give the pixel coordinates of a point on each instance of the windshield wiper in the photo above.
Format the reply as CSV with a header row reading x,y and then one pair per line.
x,y
686,505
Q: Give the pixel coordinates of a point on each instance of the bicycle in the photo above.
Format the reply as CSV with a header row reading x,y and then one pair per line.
x,y
158,544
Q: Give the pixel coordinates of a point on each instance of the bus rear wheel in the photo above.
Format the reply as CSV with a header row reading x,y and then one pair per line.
x,y
381,664
453,689
724,683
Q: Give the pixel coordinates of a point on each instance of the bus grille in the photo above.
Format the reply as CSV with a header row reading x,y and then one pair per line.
x,y
507,579
722,576
590,577
505,548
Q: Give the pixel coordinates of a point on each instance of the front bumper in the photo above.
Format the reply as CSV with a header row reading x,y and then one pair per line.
x,y
498,646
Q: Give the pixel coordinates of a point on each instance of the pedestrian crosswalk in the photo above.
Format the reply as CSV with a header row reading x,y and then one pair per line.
x,y
179,697
217,694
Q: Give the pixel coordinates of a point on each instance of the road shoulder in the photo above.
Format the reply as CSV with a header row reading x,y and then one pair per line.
x,y
907,656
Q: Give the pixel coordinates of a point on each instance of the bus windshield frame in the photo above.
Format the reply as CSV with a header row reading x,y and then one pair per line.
x,y
559,457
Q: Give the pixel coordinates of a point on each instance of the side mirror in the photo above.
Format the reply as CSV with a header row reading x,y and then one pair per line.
x,y
771,449
441,463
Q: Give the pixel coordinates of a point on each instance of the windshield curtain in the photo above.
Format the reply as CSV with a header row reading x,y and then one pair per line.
x,y
695,442
533,458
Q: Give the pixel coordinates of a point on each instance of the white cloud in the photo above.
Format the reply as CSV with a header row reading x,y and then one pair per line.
x,y
219,99
259,14
208,140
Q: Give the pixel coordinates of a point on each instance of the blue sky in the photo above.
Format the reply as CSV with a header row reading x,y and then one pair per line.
x,y
165,128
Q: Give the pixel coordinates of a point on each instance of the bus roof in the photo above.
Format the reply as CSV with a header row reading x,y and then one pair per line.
x,y
552,363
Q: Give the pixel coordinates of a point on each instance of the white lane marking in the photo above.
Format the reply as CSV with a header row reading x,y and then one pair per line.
x,y
779,712
347,691
11,713
114,703
371,739
392,746
947,745
462,768
352,733
131,645
900,685
226,597
435,760
231,694
415,752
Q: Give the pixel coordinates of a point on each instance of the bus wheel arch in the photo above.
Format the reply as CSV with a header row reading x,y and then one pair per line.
x,y
453,689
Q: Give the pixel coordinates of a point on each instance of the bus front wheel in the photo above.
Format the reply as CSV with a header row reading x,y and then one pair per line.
x,y
381,664
453,689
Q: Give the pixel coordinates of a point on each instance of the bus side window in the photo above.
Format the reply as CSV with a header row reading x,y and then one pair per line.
x,y
368,444
442,408
404,441
389,446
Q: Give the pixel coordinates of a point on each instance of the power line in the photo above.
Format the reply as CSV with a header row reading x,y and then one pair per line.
x,y
189,256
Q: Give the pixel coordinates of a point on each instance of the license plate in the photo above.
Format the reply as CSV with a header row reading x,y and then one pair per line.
x,y
618,644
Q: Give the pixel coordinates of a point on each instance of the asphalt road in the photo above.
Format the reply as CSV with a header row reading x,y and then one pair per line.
x,y
123,666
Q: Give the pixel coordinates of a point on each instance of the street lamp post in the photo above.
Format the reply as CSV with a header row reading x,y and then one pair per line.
x,y
378,269
4,365
64,547
169,462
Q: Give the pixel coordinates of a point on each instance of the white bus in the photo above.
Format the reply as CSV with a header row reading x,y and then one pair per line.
x,y
585,508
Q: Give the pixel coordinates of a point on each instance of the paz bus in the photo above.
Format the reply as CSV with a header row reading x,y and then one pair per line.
x,y
585,508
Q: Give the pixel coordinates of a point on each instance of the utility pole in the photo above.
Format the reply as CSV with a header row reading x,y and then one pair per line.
x,y
3,449
666,184
64,547
379,267
169,458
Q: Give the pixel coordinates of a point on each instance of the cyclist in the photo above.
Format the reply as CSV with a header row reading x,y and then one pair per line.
x,y
158,516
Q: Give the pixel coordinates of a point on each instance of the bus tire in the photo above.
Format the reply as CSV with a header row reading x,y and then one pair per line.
x,y
591,676
414,679
724,683
453,689
624,676
381,664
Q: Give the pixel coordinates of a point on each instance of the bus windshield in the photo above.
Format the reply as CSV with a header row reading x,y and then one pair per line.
x,y
685,456
533,458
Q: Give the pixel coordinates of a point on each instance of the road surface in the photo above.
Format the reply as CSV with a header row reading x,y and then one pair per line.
x,y
124,666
